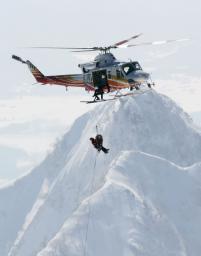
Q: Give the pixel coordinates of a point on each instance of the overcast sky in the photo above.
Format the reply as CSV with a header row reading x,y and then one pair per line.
x,y
86,23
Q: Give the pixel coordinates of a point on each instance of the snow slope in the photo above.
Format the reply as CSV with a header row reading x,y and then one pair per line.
x,y
143,198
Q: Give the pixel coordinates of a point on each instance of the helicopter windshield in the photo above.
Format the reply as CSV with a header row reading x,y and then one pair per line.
x,y
136,66
130,67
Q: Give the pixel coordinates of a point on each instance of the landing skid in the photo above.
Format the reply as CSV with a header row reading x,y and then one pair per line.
x,y
116,96
96,101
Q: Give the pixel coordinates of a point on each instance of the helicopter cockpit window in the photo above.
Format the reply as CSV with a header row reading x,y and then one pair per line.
x,y
128,68
136,66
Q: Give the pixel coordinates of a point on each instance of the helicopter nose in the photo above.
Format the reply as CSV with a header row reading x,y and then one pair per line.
x,y
142,76
146,75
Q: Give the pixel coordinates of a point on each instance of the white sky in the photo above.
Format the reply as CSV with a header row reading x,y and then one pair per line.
x,y
29,112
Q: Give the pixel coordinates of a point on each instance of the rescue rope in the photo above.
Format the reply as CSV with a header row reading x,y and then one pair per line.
x,y
96,129
89,212
91,191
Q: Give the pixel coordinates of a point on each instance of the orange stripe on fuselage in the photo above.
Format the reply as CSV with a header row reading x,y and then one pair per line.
x,y
117,84
59,82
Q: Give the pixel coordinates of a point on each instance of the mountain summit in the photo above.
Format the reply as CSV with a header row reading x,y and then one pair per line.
x,y
143,198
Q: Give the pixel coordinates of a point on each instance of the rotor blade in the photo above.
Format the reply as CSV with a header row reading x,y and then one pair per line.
x,y
93,50
126,40
65,48
158,42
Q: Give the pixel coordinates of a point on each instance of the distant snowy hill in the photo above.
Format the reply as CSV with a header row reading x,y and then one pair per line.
x,y
19,151
197,118
143,198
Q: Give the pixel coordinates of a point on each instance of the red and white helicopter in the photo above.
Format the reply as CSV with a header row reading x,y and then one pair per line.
x,y
104,74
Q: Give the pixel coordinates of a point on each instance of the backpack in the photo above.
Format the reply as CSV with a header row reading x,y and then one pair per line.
x,y
99,139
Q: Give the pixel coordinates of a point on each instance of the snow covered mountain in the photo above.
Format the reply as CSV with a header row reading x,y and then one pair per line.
x,y
142,199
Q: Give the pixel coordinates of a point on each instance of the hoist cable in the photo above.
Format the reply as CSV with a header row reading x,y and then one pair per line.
x,y
89,213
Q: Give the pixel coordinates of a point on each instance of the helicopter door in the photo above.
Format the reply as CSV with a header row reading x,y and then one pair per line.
x,y
100,78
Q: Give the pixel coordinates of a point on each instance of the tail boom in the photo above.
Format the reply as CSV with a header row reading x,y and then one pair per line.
x,y
75,80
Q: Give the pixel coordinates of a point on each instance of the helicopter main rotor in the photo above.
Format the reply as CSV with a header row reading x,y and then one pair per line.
x,y
121,44
91,49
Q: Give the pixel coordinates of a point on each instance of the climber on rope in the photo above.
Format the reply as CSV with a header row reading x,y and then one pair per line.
x,y
98,143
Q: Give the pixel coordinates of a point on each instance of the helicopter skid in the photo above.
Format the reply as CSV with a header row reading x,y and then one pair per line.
x,y
115,97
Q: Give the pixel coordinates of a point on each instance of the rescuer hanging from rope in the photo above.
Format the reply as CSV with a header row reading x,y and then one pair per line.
x,y
98,143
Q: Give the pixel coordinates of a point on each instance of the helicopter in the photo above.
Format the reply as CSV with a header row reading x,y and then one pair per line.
x,y
102,75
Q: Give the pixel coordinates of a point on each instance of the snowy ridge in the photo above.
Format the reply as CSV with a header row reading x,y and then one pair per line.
x,y
139,226
140,199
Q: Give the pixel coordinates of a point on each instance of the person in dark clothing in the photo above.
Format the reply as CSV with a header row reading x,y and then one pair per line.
x,y
98,143
149,85
98,91
108,88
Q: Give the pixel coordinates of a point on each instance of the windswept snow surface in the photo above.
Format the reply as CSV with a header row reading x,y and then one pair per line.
x,y
142,199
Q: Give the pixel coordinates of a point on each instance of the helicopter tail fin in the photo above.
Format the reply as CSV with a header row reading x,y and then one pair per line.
x,y
34,70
